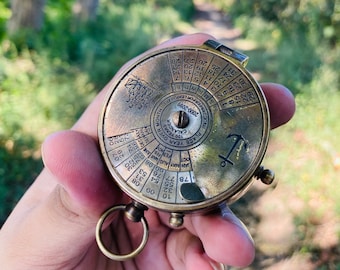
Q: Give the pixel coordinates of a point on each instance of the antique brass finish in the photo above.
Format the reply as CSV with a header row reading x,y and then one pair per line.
x,y
265,175
104,249
184,129
176,219
135,211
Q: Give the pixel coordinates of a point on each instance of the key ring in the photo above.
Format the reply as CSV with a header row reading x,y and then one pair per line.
x,y
103,248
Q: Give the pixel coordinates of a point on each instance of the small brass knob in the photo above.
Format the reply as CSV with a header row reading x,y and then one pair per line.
x,y
176,220
265,175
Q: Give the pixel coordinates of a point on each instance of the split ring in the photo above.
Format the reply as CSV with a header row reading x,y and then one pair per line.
x,y
108,253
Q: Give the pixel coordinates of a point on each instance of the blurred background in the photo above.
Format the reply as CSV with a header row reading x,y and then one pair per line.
x,y
56,55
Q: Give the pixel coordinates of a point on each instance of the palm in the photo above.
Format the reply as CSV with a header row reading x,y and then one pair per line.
x,y
82,190
122,236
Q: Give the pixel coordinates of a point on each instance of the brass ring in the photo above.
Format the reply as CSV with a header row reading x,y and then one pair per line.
x,y
108,253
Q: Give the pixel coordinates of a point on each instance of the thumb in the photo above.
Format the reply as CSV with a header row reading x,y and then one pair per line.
x,y
67,216
83,189
73,159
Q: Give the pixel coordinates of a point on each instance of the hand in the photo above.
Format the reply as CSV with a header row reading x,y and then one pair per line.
x,y
53,225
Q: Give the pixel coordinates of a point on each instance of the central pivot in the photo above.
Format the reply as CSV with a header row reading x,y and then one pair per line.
x,y
180,119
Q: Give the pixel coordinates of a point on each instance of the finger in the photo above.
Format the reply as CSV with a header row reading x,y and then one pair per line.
x,y
68,216
280,100
57,149
225,239
185,252
74,161
281,103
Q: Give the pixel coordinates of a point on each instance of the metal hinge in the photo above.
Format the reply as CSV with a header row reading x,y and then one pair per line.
x,y
240,57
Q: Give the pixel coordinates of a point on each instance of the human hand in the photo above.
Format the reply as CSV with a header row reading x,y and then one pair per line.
x,y
53,225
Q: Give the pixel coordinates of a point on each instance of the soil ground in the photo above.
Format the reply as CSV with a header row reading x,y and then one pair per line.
x,y
270,212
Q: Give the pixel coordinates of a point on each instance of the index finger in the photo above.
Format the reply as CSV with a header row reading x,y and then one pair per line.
x,y
280,100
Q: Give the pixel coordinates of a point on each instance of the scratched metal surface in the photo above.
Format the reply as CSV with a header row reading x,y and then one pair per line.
x,y
184,129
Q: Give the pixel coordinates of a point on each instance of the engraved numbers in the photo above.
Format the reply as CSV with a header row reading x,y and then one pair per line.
x,y
201,66
139,93
158,158
176,60
150,168
189,60
168,189
193,71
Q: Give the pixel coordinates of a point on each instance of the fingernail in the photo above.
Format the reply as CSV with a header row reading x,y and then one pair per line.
x,y
227,214
217,266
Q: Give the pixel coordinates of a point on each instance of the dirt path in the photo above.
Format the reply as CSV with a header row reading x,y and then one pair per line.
x,y
210,20
268,212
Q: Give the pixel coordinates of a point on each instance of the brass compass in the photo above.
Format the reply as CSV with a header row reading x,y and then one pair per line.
x,y
183,130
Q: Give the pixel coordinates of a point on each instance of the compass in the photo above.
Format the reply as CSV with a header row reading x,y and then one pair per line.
x,y
182,130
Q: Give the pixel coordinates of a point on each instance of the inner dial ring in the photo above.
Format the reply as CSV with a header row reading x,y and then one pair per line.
x,y
181,121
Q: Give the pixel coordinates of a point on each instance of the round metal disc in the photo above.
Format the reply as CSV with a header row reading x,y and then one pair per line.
x,y
183,129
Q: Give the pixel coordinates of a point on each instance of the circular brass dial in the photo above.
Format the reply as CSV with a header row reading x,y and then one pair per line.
x,y
184,128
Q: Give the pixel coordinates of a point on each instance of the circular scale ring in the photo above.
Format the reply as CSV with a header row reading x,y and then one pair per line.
x,y
184,128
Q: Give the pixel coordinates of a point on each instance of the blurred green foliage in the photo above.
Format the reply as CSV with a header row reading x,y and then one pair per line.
x,y
47,78
296,43
121,30
295,38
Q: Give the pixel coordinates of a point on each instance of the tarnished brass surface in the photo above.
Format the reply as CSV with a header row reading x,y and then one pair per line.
x,y
184,128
